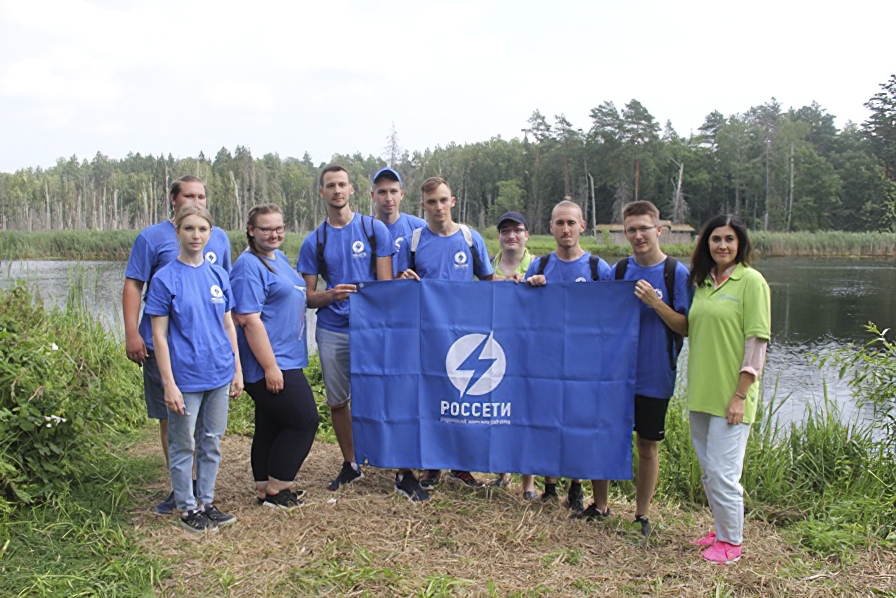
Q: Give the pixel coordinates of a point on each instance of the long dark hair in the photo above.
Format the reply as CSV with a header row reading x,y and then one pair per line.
x,y
254,213
702,262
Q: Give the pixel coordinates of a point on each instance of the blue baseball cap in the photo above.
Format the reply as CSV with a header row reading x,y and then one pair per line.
x,y
514,217
390,171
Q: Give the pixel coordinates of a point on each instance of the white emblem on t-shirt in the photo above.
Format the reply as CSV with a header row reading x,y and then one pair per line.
x,y
210,257
216,291
460,258
357,246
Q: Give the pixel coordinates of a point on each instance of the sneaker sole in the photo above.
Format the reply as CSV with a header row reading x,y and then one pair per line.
x,y
336,484
729,562
196,532
272,505
408,496
225,523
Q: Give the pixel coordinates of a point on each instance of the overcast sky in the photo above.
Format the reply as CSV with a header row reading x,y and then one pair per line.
x,y
184,76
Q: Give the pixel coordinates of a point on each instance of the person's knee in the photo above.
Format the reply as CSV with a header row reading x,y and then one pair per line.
x,y
648,450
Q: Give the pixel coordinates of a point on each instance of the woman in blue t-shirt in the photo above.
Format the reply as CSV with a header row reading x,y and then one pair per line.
x,y
189,301
270,304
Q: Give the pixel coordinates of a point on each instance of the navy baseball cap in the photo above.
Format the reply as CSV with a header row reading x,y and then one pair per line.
x,y
513,217
390,171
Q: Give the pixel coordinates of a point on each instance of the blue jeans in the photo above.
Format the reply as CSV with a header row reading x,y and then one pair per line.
x,y
200,429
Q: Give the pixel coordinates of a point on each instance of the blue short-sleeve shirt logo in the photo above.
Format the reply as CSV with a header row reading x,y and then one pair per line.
x,y
210,257
357,247
581,279
476,364
460,259
217,294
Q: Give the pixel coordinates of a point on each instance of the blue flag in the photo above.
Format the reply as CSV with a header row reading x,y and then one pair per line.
x,y
495,376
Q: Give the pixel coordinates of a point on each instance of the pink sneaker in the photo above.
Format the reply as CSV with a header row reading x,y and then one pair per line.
x,y
722,553
707,540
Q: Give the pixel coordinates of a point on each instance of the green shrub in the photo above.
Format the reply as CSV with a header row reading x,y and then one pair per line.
x,y
64,381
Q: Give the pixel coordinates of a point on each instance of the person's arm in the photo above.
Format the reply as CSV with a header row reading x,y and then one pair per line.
x,y
260,344
677,322
318,299
130,307
489,277
735,411
384,267
174,400
236,387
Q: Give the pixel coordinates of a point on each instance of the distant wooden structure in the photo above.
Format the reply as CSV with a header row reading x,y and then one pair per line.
x,y
674,234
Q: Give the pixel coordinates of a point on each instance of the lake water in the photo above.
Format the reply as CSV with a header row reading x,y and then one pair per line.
x,y
817,305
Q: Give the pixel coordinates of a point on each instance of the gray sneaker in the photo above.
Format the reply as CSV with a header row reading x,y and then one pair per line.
x,y
196,522
218,517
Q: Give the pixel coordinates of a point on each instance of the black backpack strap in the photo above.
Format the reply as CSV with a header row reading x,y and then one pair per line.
x,y
669,279
593,262
621,267
321,243
371,240
542,264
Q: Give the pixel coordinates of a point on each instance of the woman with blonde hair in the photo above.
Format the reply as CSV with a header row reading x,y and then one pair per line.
x,y
189,301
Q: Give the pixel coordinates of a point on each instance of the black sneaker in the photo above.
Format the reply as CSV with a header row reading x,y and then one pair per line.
x,y
465,478
166,507
347,475
550,493
218,517
646,528
591,513
196,522
575,499
430,478
502,480
408,486
285,499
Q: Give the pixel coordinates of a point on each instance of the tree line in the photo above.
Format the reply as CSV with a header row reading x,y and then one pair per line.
x,y
779,170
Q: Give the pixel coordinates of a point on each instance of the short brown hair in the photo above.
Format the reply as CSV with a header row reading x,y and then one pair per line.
x,y
567,203
641,208
432,183
328,169
178,183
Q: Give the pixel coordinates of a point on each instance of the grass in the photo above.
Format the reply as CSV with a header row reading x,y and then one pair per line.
x,y
83,542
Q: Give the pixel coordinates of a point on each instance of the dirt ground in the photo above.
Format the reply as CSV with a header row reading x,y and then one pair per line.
x,y
365,540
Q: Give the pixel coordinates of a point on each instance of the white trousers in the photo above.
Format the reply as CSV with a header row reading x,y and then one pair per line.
x,y
720,449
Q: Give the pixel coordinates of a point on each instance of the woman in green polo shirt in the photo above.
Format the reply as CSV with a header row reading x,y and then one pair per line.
x,y
728,330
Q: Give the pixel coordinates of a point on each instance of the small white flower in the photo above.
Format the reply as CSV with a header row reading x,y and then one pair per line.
x,y
54,347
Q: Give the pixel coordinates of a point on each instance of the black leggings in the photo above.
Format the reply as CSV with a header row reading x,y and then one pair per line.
x,y
285,425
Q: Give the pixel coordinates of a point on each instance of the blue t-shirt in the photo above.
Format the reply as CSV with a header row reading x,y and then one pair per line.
x,y
656,351
196,301
401,232
446,258
578,270
348,257
156,246
279,297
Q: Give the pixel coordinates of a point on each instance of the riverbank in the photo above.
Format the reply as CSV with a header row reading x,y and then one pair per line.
x,y
116,245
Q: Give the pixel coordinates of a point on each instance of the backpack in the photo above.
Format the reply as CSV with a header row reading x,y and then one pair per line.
x,y
593,261
669,267
468,237
371,240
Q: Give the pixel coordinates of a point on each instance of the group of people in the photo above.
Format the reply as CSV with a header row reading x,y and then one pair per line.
x,y
209,330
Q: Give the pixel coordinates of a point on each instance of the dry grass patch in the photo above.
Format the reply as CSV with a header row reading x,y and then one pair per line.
x,y
365,540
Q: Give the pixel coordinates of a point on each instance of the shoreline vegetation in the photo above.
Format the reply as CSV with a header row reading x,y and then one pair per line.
x,y
820,501
116,245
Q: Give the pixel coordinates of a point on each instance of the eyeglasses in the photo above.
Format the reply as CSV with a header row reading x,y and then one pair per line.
x,y
631,231
519,230
266,230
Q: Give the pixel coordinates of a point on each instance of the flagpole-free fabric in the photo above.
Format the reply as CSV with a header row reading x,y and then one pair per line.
x,y
495,376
